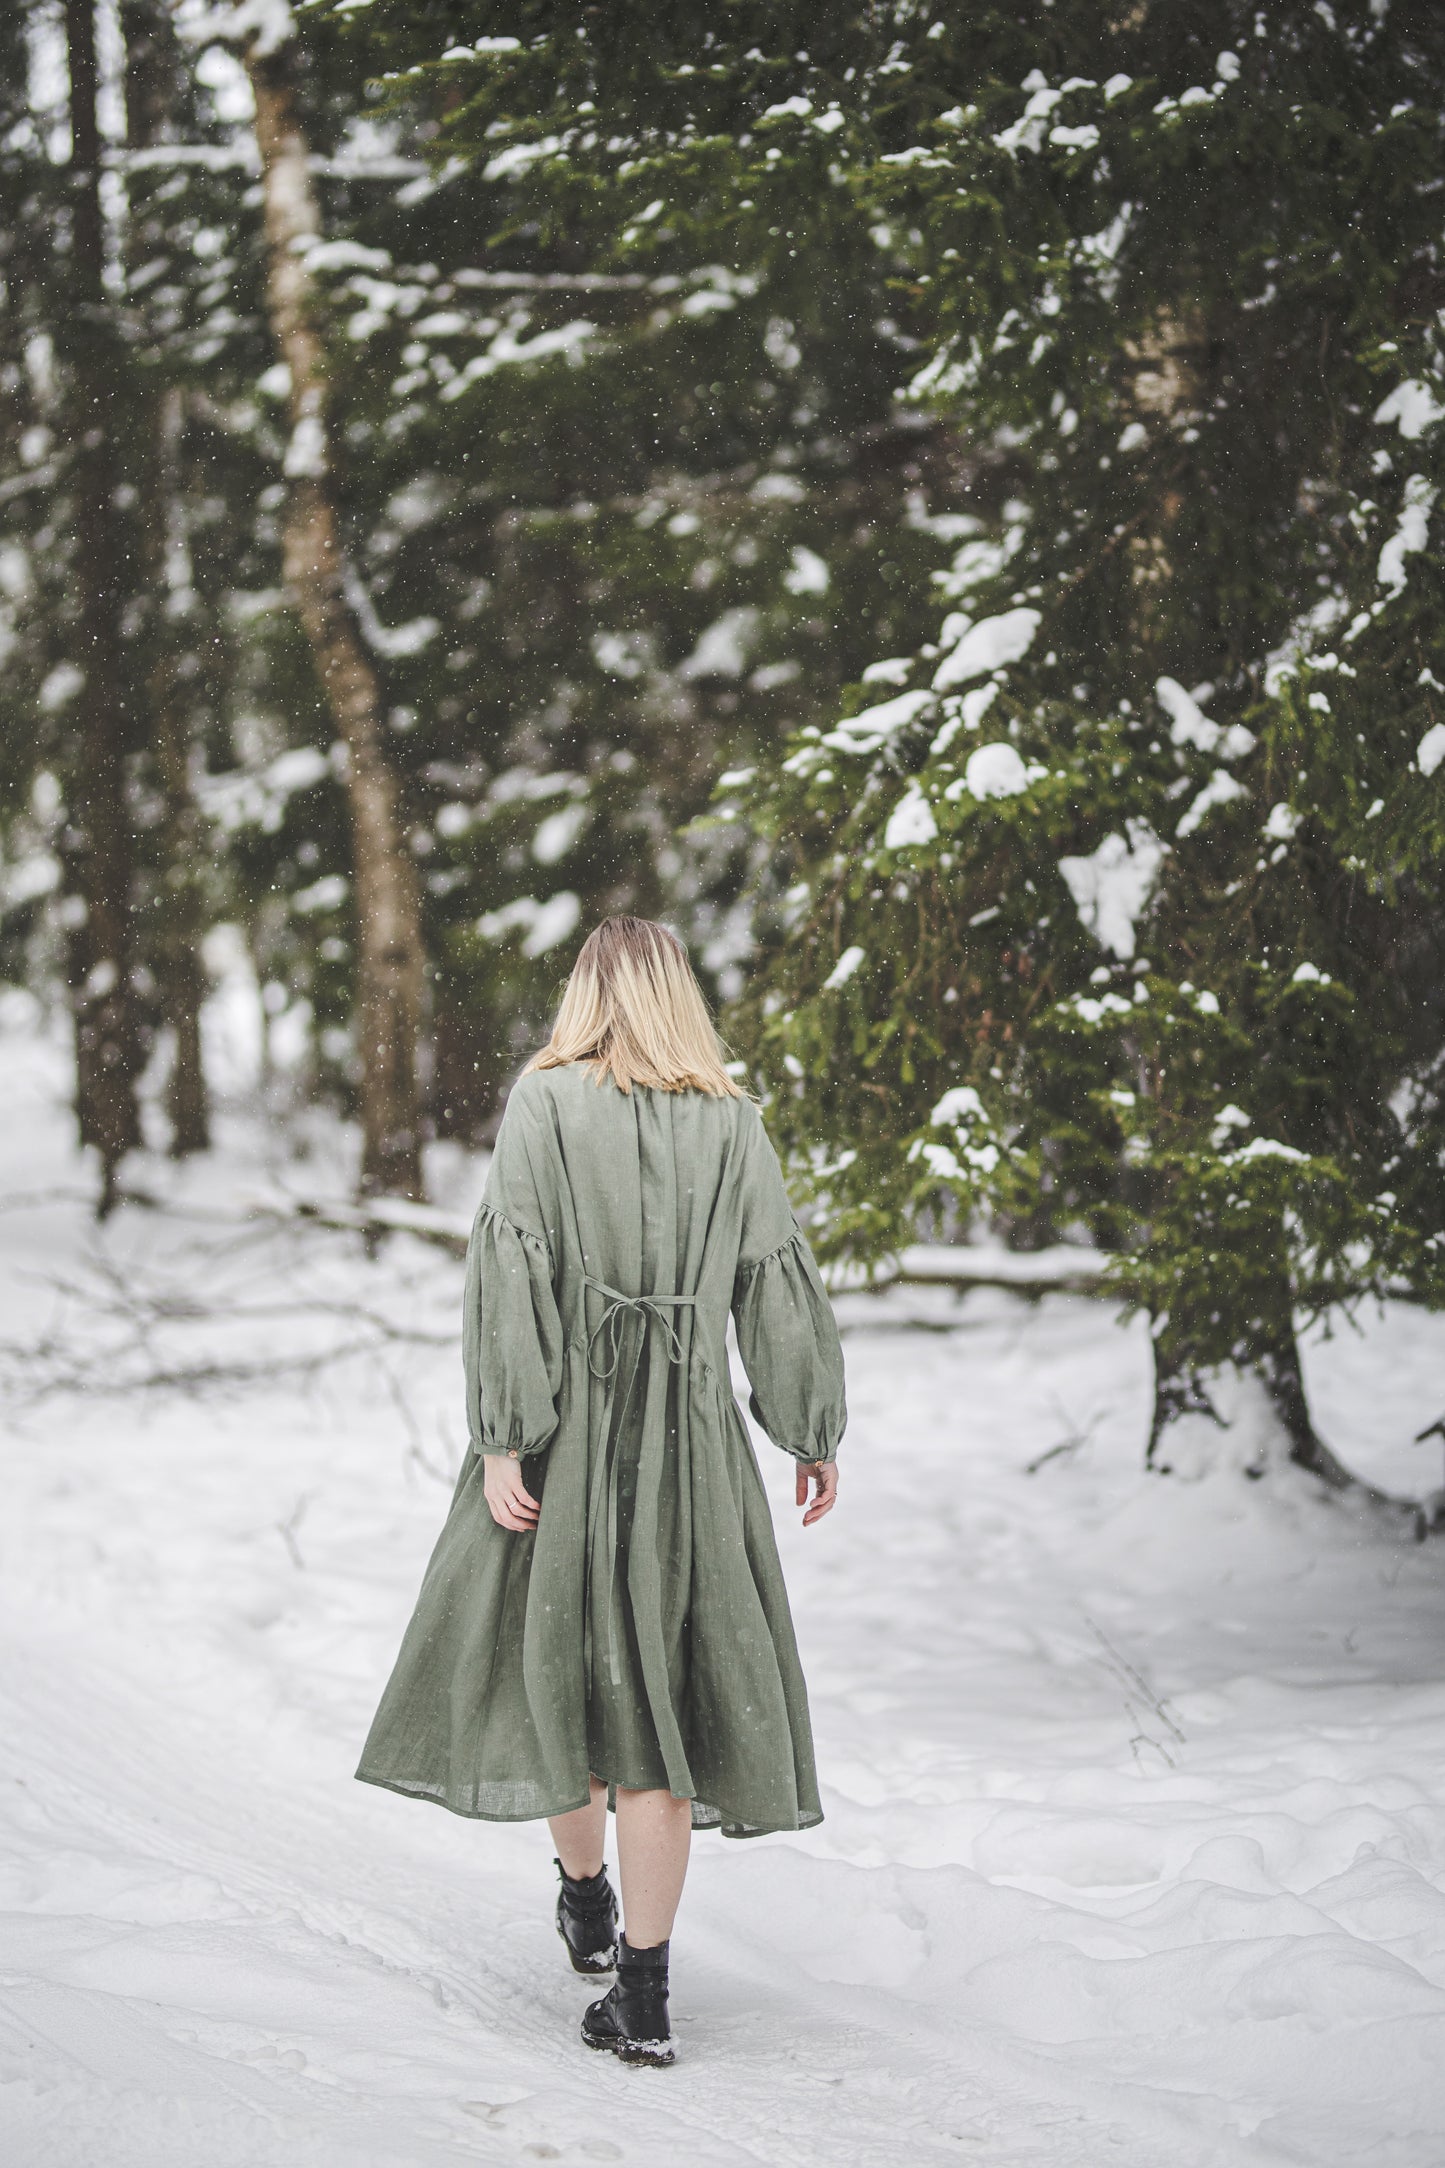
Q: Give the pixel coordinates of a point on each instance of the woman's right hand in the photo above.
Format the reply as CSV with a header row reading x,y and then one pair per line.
x,y
512,1504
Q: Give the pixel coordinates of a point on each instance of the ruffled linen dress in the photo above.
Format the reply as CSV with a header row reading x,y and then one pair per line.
x,y
641,1632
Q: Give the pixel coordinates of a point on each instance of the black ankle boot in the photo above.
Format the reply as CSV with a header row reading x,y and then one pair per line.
x,y
632,2019
587,1920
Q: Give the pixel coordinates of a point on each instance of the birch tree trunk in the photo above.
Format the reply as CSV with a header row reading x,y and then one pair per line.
x,y
98,848
390,960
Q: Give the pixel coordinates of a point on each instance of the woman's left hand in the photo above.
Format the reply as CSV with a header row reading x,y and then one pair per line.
x,y
824,1475
512,1504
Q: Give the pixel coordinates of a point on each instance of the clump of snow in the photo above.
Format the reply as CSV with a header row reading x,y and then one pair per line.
x,y
622,654
1111,887
976,562
1413,406
60,685
778,489
844,969
519,158
338,255
960,1104
394,641
1027,132
997,771
327,894
989,645
1265,1148
865,732
808,573
239,799
964,714
1189,725
1283,823
1092,1011
1430,752
911,822
306,450
771,675
1221,788
1285,661
36,874
556,834
1309,975
942,1162
543,925
509,350
725,646
1228,1119
263,26
1410,535
525,784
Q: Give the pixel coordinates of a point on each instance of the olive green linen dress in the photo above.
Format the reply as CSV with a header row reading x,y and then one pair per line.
x,y
641,1632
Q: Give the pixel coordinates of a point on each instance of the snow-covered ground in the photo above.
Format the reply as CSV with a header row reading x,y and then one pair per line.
x,y
1135,1849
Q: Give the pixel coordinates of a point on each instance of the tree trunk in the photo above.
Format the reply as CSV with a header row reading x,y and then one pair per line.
x,y
1250,1413
99,848
1278,1365
152,89
390,960
182,890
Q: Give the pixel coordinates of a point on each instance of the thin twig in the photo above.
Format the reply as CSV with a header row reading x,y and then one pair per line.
x,y
286,1530
1139,1695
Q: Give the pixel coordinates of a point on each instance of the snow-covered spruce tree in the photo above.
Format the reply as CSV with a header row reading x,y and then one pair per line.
x,y
173,329
1119,902
628,492
612,514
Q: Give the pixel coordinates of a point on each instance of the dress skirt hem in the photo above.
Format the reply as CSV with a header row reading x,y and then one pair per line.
x,y
704,1814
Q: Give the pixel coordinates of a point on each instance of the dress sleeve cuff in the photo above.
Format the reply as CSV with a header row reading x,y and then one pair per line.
x,y
812,1452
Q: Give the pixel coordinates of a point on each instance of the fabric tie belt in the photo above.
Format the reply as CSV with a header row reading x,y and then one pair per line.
x,y
617,1308
605,1340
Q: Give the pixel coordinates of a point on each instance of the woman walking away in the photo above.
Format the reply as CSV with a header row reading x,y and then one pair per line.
x,y
604,1620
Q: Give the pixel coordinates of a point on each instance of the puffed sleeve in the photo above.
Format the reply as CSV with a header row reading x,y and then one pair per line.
x,y
787,1334
512,1336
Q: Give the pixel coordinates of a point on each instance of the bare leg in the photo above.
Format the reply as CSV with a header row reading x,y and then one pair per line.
x,y
654,1831
578,1835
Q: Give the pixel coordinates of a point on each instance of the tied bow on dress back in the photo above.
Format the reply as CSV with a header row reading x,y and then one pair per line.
x,y
616,1309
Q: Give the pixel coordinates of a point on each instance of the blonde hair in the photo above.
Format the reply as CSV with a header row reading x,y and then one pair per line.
x,y
633,1011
